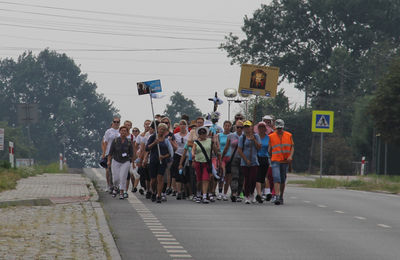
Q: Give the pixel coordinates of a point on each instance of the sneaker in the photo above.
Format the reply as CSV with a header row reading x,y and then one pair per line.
x,y
219,197
110,190
141,191
281,200
198,199
159,199
174,193
212,198
179,196
153,197
263,197
239,199
277,200
273,199
252,198
121,196
259,199
241,195
148,195
225,198
114,193
247,201
163,198
206,201
134,190
233,198
268,197
125,195
168,191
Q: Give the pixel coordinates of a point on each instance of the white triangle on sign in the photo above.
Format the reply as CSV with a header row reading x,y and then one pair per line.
x,y
322,122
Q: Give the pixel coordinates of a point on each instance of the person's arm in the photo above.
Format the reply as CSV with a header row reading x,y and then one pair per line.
x,y
194,150
257,141
112,150
183,158
103,148
290,158
153,140
240,151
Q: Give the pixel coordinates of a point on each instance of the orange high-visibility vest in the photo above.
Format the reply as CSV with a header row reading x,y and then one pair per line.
x,y
281,146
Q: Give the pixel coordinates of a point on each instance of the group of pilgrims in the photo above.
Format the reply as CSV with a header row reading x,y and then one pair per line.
x,y
199,160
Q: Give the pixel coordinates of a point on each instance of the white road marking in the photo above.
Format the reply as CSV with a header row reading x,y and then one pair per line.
x,y
293,197
306,201
322,206
384,226
339,211
360,218
166,239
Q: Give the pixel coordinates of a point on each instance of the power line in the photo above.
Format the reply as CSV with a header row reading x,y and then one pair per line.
x,y
126,15
116,50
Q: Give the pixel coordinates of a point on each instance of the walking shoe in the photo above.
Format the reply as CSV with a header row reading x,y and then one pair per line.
x,y
141,191
268,197
281,200
225,198
277,200
247,201
159,199
212,198
263,197
153,197
241,195
239,199
125,195
168,191
114,193
219,197
233,198
121,196
148,195
198,199
252,198
134,190
179,196
174,193
206,201
273,199
163,197
259,199
110,190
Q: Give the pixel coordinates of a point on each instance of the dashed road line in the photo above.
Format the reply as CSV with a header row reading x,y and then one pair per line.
x,y
339,211
360,218
384,226
322,206
306,201
173,248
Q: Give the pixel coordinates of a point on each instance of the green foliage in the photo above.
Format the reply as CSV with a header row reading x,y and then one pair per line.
x,y
5,164
22,148
362,130
180,105
70,110
385,105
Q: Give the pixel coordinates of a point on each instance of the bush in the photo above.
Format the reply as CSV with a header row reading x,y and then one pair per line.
x,y
5,164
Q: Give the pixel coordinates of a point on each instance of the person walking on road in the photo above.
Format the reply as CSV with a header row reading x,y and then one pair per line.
x,y
263,160
234,177
222,139
109,136
121,154
158,159
281,149
249,144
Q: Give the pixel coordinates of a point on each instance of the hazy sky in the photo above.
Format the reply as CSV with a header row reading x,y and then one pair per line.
x,y
115,43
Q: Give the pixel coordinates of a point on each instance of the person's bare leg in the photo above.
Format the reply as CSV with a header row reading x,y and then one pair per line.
x,y
160,184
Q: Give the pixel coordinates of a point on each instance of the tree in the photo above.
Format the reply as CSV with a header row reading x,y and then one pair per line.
x,y
179,106
71,112
21,144
385,105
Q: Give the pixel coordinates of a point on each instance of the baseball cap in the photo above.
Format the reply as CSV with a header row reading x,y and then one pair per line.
x,y
267,117
279,123
247,123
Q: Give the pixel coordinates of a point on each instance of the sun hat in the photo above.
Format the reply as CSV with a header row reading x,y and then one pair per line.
x,y
267,117
204,128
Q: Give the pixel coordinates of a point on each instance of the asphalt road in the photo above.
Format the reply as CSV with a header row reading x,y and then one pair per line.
x,y
313,224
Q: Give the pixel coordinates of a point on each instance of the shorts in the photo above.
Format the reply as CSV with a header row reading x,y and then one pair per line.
x,y
202,173
144,173
279,171
155,169
175,166
262,169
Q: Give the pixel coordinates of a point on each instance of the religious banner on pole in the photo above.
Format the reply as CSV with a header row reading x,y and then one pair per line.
x,y
259,80
147,87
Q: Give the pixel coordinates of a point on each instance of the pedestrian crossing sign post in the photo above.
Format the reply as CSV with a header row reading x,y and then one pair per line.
x,y
322,121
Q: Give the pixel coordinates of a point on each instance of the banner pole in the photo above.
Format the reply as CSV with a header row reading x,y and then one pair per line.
x,y
155,125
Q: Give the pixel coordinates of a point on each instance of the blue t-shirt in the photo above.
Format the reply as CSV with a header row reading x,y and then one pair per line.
x,y
249,150
263,152
222,142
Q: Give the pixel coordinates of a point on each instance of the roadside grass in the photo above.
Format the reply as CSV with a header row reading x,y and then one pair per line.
x,y
389,184
9,177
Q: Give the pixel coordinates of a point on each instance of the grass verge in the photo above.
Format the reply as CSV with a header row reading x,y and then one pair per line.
x,y
389,184
9,177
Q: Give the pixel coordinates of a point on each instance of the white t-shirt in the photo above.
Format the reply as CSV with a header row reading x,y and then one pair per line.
x,y
181,141
109,136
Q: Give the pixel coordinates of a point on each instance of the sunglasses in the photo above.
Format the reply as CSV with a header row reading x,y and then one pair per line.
x,y
167,123
117,122
239,127
135,130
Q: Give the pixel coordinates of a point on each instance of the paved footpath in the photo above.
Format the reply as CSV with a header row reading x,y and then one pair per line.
x,y
56,217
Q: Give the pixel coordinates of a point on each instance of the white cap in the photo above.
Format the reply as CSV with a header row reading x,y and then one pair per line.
x,y
267,117
208,123
202,127
279,123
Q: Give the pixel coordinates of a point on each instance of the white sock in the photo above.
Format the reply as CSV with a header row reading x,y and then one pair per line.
x,y
204,196
267,191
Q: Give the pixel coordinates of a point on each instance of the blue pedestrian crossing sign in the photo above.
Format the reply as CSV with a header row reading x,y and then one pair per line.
x,y
322,121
